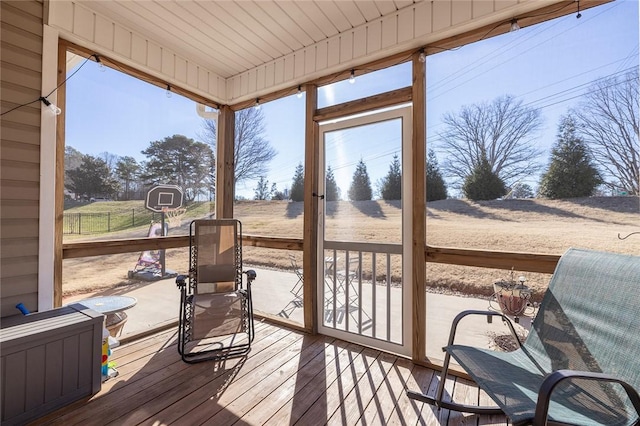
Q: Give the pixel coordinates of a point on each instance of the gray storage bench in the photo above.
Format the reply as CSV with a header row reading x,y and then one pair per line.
x,y
49,359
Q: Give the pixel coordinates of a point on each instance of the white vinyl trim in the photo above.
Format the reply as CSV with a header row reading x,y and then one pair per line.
x,y
403,112
46,233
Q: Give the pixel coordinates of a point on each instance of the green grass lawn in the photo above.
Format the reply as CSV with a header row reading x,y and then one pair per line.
x,y
113,216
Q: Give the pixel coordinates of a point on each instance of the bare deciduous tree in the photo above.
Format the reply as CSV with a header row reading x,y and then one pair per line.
x,y
111,160
608,120
503,130
252,151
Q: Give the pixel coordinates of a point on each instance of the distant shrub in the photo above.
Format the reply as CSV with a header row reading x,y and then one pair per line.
x,y
483,183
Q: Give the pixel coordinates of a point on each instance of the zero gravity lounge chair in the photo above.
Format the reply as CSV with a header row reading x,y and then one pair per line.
x,y
216,313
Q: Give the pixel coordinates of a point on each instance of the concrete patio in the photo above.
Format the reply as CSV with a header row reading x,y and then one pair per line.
x,y
158,306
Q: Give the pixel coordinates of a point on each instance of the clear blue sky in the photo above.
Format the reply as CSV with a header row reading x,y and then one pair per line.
x,y
548,66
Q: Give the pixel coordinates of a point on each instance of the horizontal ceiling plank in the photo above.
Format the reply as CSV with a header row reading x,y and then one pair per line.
x,y
308,25
272,30
241,37
400,4
253,29
504,4
374,37
129,15
260,47
314,13
191,41
351,12
385,7
217,46
223,36
369,10
335,15
285,26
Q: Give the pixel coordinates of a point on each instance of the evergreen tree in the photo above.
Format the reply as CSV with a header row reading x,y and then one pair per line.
x,y
261,191
297,186
275,194
92,178
360,189
72,160
127,171
331,191
571,172
181,161
391,185
436,188
483,183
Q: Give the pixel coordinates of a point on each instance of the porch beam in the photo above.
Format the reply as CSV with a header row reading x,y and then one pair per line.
x,y
136,73
382,100
526,262
58,224
530,262
527,19
418,150
310,221
225,165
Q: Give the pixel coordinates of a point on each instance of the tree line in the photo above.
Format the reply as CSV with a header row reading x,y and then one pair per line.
x,y
489,150
176,160
389,187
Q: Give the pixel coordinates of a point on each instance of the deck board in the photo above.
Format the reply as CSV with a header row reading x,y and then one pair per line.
x,y
288,378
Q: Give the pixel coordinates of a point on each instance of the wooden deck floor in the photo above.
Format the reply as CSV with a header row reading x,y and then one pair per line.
x,y
288,378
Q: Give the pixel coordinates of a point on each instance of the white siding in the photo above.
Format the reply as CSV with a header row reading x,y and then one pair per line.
x,y
20,74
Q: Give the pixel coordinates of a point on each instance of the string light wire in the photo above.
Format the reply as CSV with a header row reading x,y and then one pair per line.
x,y
56,88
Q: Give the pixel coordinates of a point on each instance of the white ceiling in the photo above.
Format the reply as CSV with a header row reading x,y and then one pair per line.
x,y
235,51
231,37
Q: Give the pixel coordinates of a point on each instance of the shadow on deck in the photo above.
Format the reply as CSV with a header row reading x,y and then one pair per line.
x,y
289,377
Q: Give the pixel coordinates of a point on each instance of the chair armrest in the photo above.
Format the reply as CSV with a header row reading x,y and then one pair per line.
x,y
251,275
181,281
461,315
552,380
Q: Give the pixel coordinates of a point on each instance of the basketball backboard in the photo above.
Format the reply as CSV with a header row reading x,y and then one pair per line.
x,y
164,197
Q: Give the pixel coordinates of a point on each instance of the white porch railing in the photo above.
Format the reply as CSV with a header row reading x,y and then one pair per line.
x,y
363,289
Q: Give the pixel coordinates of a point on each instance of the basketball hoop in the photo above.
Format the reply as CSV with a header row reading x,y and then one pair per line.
x,y
173,217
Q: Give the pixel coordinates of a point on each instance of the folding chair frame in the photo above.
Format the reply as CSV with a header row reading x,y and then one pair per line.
x,y
188,292
295,290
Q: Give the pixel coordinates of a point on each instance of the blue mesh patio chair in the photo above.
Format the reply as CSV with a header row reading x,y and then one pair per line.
x,y
580,363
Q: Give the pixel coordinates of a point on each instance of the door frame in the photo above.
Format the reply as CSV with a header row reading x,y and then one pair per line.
x,y
404,112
